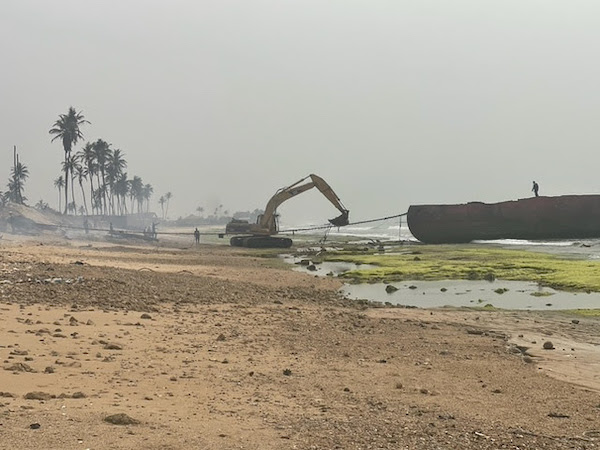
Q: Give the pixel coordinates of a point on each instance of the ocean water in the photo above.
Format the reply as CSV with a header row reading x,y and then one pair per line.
x,y
397,230
387,230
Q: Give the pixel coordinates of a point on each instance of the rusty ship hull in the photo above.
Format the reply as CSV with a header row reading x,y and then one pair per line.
x,y
536,218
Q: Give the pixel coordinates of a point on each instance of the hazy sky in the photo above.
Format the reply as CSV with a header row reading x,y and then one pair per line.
x,y
392,102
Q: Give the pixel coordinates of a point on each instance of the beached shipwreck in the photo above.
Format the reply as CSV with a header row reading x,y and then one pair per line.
x,y
536,218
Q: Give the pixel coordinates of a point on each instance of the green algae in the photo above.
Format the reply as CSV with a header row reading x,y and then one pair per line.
x,y
472,262
541,294
583,312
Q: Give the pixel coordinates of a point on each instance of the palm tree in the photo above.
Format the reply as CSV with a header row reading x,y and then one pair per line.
x,y
19,174
147,193
81,173
41,205
102,153
121,190
59,183
161,201
135,191
115,164
88,159
67,129
69,167
96,200
168,197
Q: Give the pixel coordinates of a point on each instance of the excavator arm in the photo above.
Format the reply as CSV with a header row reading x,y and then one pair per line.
x,y
268,218
266,224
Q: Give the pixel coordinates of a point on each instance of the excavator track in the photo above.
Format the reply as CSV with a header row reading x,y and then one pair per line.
x,y
260,242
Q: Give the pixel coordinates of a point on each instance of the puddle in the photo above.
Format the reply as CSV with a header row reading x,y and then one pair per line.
x,y
329,268
433,294
458,293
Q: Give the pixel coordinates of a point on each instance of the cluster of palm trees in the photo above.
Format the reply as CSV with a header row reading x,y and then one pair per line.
x,y
18,174
164,200
100,165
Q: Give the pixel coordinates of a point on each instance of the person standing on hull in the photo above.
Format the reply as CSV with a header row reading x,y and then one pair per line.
x,y
535,189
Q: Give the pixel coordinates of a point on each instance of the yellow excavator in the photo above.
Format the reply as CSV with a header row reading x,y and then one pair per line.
x,y
260,234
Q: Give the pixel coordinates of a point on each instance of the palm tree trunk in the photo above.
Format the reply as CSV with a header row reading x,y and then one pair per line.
x,y
83,195
100,211
104,191
92,191
73,194
66,182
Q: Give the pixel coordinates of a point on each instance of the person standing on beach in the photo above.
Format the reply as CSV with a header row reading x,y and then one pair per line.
x,y
197,236
535,189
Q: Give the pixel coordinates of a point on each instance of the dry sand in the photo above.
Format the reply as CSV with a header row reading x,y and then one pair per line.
x,y
213,348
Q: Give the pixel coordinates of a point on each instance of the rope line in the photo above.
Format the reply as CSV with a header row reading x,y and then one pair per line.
x,y
322,227
291,230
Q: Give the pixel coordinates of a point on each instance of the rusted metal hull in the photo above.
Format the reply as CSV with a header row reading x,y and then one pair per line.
x,y
536,218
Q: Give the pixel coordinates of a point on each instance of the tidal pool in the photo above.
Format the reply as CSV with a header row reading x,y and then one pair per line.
x,y
329,268
500,294
458,293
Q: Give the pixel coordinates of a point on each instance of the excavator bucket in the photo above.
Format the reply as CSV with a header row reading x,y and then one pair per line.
x,y
341,220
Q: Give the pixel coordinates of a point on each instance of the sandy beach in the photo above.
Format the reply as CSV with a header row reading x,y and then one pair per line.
x,y
108,346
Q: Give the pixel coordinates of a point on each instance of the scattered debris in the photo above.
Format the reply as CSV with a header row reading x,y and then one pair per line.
x,y
110,346
121,419
38,395
20,367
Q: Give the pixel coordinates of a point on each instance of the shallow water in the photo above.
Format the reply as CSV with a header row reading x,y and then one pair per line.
x,y
458,293
330,268
500,294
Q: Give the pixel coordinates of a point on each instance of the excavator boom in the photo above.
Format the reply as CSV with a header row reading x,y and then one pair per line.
x,y
266,225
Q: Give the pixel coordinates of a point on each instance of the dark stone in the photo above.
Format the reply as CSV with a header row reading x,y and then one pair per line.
x,y
121,419
113,347
38,395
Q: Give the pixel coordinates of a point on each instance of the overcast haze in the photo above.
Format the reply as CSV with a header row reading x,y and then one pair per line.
x,y
392,102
